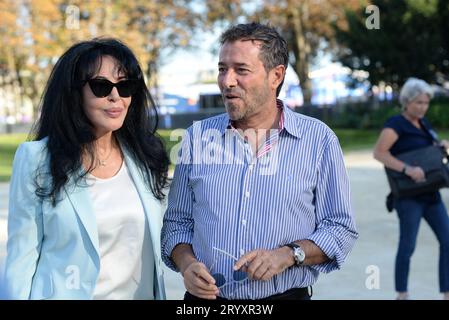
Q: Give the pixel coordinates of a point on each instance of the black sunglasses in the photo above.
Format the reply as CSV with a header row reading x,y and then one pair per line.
x,y
237,276
103,87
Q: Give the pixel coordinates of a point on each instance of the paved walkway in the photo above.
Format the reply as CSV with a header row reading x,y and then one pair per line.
x,y
372,255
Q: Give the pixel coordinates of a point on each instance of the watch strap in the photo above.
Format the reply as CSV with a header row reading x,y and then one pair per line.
x,y
293,245
296,247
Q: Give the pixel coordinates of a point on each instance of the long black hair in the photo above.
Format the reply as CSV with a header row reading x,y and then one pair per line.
x,y
70,133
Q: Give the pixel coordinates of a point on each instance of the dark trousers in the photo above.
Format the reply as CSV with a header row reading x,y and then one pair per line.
x,y
410,213
292,294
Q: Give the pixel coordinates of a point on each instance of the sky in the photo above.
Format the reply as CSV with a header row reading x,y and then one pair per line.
x,y
179,71
183,67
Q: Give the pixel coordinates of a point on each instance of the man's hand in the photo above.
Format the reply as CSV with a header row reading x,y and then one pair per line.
x,y
197,278
264,264
199,282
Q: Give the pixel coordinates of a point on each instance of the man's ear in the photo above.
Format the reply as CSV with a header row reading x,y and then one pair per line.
x,y
276,76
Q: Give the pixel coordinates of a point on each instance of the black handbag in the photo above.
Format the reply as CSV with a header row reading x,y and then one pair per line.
x,y
433,160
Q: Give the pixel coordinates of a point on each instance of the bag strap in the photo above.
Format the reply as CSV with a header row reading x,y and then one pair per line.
x,y
429,131
433,135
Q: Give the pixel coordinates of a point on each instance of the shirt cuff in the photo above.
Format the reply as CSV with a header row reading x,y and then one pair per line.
x,y
170,243
332,248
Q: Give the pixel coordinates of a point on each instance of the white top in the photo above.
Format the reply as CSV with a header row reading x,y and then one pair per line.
x,y
127,263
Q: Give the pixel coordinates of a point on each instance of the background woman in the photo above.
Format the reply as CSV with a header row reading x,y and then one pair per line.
x,y
408,131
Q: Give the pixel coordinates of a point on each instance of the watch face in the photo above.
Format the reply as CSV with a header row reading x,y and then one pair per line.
x,y
299,255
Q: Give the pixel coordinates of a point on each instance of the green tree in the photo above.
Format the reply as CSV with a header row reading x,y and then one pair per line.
x,y
443,20
408,43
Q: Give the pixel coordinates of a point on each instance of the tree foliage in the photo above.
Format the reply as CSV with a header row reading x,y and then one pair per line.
x,y
35,33
412,41
305,24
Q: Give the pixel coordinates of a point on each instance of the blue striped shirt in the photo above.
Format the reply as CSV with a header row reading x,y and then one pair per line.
x,y
223,197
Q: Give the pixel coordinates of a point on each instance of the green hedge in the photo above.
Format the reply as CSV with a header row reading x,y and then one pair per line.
x,y
438,113
372,116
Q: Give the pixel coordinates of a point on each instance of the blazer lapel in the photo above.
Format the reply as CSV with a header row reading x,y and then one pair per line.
x,y
151,206
82,204
153,212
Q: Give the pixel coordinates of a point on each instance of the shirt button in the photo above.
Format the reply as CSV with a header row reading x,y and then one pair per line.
x,y
242,252
251,167
247,194
244,222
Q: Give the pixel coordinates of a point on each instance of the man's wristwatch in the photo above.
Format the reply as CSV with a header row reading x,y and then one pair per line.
x,y
298,254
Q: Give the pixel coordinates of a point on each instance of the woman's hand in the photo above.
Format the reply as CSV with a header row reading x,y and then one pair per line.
x,y
416,173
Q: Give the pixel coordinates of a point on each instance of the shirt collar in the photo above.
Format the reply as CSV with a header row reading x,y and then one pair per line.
x,y
287,121
291,124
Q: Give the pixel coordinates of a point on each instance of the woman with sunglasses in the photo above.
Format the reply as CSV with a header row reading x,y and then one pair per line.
x,y
85,196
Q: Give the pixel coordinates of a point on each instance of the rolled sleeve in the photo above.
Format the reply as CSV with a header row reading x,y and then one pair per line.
x,y
178,221
335,233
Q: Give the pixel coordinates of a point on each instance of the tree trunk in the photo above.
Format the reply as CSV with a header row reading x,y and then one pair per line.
x,y
153,85
306,85
20,85
34,96
301,50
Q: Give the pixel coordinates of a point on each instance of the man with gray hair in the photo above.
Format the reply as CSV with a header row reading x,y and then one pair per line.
x,y
264,225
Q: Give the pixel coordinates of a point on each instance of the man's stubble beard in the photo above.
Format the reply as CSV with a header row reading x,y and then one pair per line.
x,y
238,112
251,108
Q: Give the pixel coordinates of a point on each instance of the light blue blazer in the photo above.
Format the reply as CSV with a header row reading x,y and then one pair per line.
x,y
52,252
